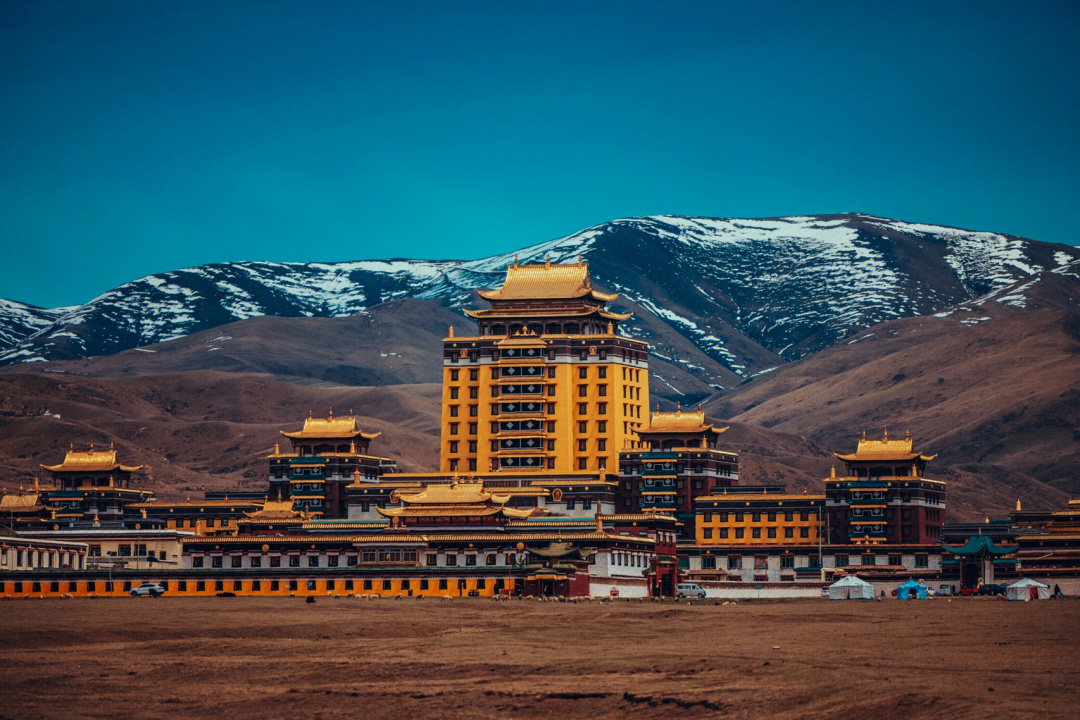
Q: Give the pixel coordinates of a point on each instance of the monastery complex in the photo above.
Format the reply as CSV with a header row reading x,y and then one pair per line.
x,y
556,477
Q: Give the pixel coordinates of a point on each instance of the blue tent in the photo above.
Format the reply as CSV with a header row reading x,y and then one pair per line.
x,y
911,590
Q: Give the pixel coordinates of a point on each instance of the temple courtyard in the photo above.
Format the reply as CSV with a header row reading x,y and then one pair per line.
x,y
472,658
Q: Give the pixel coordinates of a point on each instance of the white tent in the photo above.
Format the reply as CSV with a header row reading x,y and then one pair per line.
x,y
851,588
1027,590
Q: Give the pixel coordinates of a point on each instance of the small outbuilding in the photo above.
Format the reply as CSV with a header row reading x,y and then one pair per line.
x,y
851,588
911,590
1027,589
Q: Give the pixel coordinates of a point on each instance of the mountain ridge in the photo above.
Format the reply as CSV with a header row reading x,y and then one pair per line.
x,y
761,291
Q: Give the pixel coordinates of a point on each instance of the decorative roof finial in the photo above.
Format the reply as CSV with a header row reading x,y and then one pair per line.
x,y
832,471
277,448
1017,504
450,331
864,435
515,260
579,262
91,446
330,416
885,435
678,407
547,259
907,434
112,446
309,414
351,413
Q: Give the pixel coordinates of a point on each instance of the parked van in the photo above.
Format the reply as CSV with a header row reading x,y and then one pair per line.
x,y
684,590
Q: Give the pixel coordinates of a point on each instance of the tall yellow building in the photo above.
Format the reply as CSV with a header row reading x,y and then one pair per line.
x,y
547,384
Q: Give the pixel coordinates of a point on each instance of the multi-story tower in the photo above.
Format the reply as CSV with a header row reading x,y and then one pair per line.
x,y
671,461
327,455
883,497
92,486
547,384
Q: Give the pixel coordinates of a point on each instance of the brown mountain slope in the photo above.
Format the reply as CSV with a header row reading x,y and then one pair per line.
x,y
394,343
203,430
993,388
197,430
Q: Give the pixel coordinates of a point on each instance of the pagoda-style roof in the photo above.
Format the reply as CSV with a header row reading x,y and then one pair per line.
x,y
885,450
977,544
543,312
547,282
91,461
275,511
454,499
22,502
330,427
679,422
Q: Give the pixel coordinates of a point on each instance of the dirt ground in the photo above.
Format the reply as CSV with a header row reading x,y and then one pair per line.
x,y
283,658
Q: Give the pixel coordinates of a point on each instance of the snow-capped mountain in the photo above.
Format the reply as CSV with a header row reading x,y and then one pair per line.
x,y
19,321
724,299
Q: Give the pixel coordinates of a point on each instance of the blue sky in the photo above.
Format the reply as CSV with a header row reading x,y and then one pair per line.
x,y
146,136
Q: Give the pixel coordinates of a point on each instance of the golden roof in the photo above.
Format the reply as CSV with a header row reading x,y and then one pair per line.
x,y
885,450
91,461
546,281
458,492
276,510
546,311
342,428
15,503
679,421
458,498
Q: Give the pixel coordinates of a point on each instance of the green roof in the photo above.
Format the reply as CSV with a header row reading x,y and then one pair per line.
x,y
978,544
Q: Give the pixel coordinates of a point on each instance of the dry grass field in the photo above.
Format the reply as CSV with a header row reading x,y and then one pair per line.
x,y
282,658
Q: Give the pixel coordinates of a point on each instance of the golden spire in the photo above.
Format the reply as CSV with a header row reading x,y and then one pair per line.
x,y
610,328
351,413
331,415
277,448
863,434
515,260
91,446
309,413
547,259
1017,504
36,484
678,408
832,471
352,447
450,331
907,434
885,435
